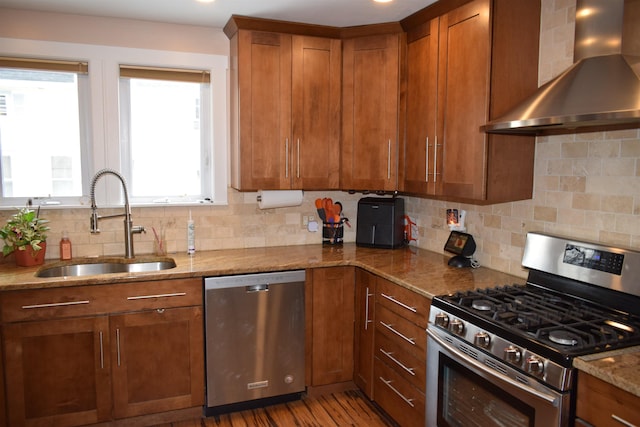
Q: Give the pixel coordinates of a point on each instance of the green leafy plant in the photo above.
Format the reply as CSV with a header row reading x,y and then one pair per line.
x,y
23,229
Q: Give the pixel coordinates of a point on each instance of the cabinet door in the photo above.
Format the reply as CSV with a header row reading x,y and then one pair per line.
x,y
316,91
158,361
421,172
261,131
370,112
57,372
365,329
463,99
331,291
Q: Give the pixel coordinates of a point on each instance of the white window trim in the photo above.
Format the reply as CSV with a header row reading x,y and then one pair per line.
x,y
104,73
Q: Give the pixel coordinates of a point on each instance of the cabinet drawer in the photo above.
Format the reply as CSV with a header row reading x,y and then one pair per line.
x,y
409,338
408,365
402,401
40,304
600,403
406,303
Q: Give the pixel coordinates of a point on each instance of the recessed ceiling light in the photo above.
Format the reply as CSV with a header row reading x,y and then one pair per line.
x,y
205,1
382,1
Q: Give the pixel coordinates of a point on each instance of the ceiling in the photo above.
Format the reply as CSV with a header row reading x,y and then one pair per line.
x,y
338,13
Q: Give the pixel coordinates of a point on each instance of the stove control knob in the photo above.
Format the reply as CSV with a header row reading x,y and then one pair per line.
x,y
534,365
457,327
482,339
512,355
442,320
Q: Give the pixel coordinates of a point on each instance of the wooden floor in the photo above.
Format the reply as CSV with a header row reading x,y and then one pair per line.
x,y
348,408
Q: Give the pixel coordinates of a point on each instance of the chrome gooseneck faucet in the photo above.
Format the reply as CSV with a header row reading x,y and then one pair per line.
x,y
129,229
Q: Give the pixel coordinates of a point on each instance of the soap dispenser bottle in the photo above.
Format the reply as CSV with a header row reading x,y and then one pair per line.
x,y
65,247
191,236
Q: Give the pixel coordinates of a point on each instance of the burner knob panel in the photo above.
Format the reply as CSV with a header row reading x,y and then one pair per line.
x,y
482,339
534,365
512,355
457,327
442,320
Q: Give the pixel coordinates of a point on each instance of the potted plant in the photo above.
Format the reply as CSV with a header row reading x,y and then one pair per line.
x,y
25,233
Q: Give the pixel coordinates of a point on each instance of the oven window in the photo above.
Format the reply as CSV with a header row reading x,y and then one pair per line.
x,y
467,399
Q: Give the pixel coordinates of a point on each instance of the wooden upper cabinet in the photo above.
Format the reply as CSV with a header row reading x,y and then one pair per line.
x,y
285,104
316,91
420,171
370,89
261,110
487,59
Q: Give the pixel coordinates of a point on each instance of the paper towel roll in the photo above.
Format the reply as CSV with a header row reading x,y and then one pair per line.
x,y
279,198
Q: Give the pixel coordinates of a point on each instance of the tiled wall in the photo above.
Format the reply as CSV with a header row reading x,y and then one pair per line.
x,y
586,185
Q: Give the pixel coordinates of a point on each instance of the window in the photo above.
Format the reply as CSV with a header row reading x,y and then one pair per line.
x,y
166,144
41,128
110,128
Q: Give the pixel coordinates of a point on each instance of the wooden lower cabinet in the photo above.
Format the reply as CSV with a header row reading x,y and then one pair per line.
x,y
329,300
3,408
93,354
364,331
58,372
157,361
602,404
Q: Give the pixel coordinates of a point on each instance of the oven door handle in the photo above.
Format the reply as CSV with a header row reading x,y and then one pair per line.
x,y
548,398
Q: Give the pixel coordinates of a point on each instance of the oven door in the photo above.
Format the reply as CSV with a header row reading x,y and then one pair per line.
x,y
469,390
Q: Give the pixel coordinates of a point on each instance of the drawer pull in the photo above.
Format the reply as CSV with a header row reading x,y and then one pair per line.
x,y
397,362
390,327
392,299
622,421
177,294
388,384
118,345
101,352
54,304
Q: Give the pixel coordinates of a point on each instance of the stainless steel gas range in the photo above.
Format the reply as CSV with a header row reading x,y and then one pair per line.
x,y
503,356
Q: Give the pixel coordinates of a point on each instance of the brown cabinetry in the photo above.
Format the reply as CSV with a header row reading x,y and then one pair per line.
x,y
487,52
82,355
329,300
600,403
400,353
285,104
364,331
370,90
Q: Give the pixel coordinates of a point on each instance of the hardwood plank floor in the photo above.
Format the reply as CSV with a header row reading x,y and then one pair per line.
x,y
347,408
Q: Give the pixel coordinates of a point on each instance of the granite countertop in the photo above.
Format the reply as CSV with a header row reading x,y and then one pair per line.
x,y
619,367
422,271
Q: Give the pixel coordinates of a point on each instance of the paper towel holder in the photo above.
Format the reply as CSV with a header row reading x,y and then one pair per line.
x,y
259,197
268,199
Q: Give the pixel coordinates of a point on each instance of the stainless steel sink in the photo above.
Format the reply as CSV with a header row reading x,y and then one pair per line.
x,y
98,266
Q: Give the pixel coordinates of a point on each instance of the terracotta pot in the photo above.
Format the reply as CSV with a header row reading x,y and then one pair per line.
x,y
28,257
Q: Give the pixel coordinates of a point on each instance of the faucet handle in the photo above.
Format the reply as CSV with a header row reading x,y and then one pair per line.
x,y
138,229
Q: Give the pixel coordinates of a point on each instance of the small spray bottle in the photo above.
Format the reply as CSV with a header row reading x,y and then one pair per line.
x,y
191,236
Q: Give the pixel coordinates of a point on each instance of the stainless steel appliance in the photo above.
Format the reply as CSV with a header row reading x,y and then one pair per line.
x,y
254,331
503,356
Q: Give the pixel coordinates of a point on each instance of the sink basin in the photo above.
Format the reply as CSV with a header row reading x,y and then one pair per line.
x,y
98,266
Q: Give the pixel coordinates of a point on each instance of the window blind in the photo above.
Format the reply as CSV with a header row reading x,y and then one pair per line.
x,y
175,74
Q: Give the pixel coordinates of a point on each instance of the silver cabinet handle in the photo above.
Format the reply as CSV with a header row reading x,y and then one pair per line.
x,y
388,384
54,304
366,310
286,157
118,344
390,327
397,362
298,161
405,306
426,161
389,161
435,159
622,421
101,352
176,294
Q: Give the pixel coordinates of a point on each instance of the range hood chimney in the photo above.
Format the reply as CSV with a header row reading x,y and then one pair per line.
x,y
601,90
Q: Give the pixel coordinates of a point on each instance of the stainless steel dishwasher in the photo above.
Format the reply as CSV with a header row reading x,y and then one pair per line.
x,y
254,328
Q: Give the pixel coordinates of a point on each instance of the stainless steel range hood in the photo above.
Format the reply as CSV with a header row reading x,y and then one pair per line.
x,y
601,90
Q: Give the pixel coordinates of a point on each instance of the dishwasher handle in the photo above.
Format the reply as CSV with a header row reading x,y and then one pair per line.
x,y
257,288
